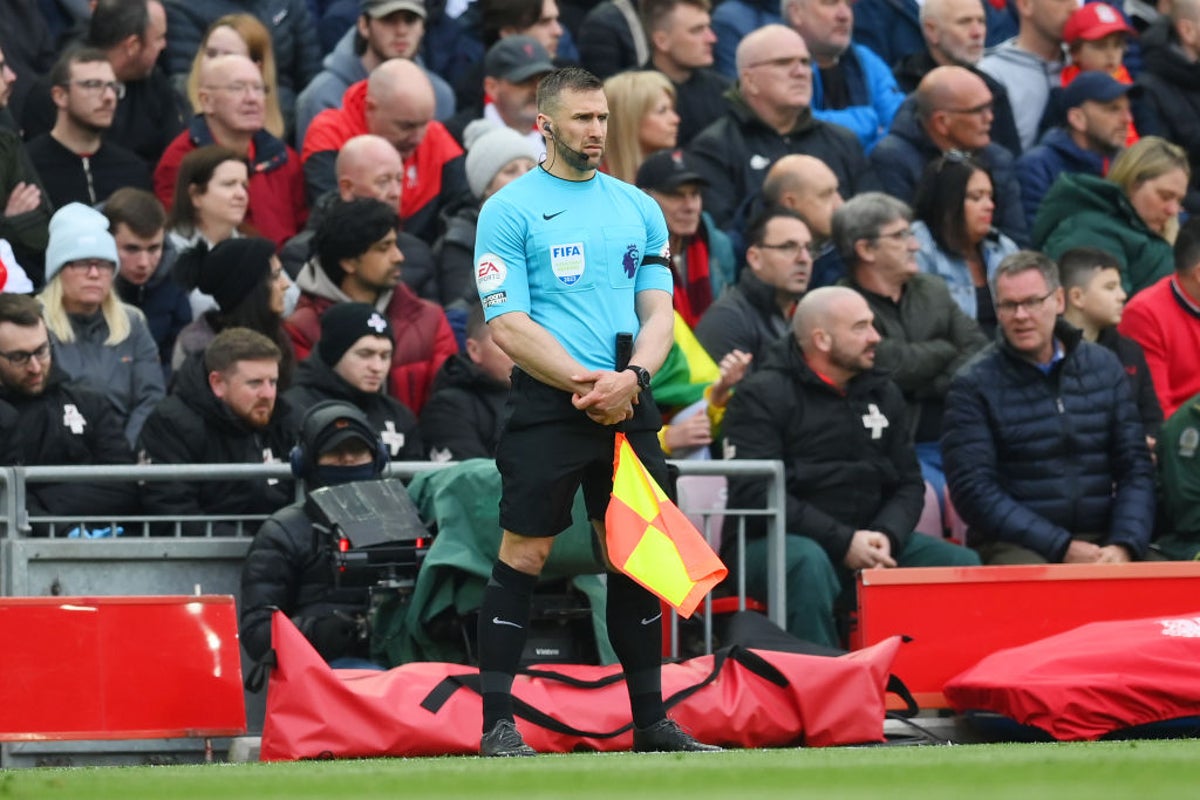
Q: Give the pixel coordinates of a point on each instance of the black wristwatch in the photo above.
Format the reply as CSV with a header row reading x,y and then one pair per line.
x,y
643,377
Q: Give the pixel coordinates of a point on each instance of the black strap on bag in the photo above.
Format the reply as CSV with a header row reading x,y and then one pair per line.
x,y
753,662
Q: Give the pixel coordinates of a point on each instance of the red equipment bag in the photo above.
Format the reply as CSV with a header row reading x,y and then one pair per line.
x,y
1091,680
738,697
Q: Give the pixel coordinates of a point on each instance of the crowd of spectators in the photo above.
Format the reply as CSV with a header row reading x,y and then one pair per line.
x,y
227,212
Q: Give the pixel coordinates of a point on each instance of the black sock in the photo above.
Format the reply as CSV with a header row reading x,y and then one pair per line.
x,y
503,624
635,630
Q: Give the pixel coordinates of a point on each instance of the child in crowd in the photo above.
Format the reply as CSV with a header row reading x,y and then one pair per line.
x,y
1097,37
1091,280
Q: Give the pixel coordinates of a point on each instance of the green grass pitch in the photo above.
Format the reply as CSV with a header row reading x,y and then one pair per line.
x,y
1139,770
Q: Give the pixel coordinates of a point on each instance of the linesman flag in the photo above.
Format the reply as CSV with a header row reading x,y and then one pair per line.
x,y
650,539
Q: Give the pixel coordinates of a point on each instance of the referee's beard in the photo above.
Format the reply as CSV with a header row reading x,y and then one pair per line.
x,y
575,159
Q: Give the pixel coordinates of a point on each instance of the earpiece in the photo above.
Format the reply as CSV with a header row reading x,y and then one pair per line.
x,y
546,129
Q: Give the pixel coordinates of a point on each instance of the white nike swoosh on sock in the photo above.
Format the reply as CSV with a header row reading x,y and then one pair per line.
x,y
498,621
655,618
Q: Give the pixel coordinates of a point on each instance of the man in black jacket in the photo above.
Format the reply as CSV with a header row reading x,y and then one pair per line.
x,y
463,415
350,363
854,489
221,410
1044,452
45,420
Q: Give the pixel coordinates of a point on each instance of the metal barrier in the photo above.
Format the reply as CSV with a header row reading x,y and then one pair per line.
x,y
139,563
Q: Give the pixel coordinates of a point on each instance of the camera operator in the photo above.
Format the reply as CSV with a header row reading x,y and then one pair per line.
x,y
290,565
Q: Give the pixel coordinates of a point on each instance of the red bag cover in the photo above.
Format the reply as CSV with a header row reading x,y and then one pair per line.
x,y
419,709
1091,680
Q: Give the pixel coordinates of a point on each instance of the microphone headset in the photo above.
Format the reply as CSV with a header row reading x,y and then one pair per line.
x,y
580,160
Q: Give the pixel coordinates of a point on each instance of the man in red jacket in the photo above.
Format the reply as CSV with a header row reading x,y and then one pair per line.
x,y
397,103
232,96
356,259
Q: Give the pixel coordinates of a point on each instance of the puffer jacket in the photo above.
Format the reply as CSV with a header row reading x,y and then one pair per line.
x,y
1033,458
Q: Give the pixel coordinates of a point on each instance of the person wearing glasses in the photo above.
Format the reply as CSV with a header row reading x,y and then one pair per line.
x,y
97,339
926,337
1043,446
770,116
754,312
951,111
75,162
233,114
47,419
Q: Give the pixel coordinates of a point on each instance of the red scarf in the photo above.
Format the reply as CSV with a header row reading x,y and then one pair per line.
x,y
693,298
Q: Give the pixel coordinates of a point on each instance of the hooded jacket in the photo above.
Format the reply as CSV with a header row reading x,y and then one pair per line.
x,y
734,153
162,300
423,338
1039,167
396,425
1034,458
1088,211
192,426
463,416
847,460
874,96
900,158
1028,79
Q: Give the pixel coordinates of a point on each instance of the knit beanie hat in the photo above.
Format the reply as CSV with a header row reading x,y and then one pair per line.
x,y
343,324
489,149
78,232
233,268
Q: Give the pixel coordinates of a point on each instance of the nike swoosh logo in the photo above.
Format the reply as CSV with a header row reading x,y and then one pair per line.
x,y
549,217
655,618
498,621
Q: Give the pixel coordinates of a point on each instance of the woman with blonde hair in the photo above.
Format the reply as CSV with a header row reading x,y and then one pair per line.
x,y
240,35
1132,214
642,119
97,339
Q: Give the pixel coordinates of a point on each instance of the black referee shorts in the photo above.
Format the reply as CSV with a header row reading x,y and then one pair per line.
x,y
548,448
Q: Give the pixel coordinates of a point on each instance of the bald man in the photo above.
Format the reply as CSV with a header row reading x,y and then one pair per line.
x,y
854,489
770,117
396,103
952,109
232,111
807,186
955,33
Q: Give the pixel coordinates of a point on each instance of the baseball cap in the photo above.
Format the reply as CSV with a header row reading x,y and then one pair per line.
x,y
1095,21
377,9
667,170
1096,86
516,59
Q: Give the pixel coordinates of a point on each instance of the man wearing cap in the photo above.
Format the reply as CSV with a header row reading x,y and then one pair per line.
x,y
702,257
350,364
355,259
222,409
288,567
46,419
385,29
1171,79
512,69
396,102
1097,119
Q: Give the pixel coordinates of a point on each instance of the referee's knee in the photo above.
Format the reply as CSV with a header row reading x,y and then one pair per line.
x,y
525,554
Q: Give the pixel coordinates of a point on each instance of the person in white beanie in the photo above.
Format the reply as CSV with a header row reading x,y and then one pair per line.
x,y
97,339
496,155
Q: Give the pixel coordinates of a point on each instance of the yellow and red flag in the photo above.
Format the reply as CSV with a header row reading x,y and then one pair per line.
x,y
650,539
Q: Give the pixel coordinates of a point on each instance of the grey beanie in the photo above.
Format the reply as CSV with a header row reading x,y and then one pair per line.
x,y
489,149
78,232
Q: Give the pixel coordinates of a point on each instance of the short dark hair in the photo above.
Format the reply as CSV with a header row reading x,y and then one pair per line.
x,y
573,79
60,73
1187,246
21,310
655,12
1023,261
136,209
498,14
1077,266
350,229
238,344
196,169
756,231
113,21
941,194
